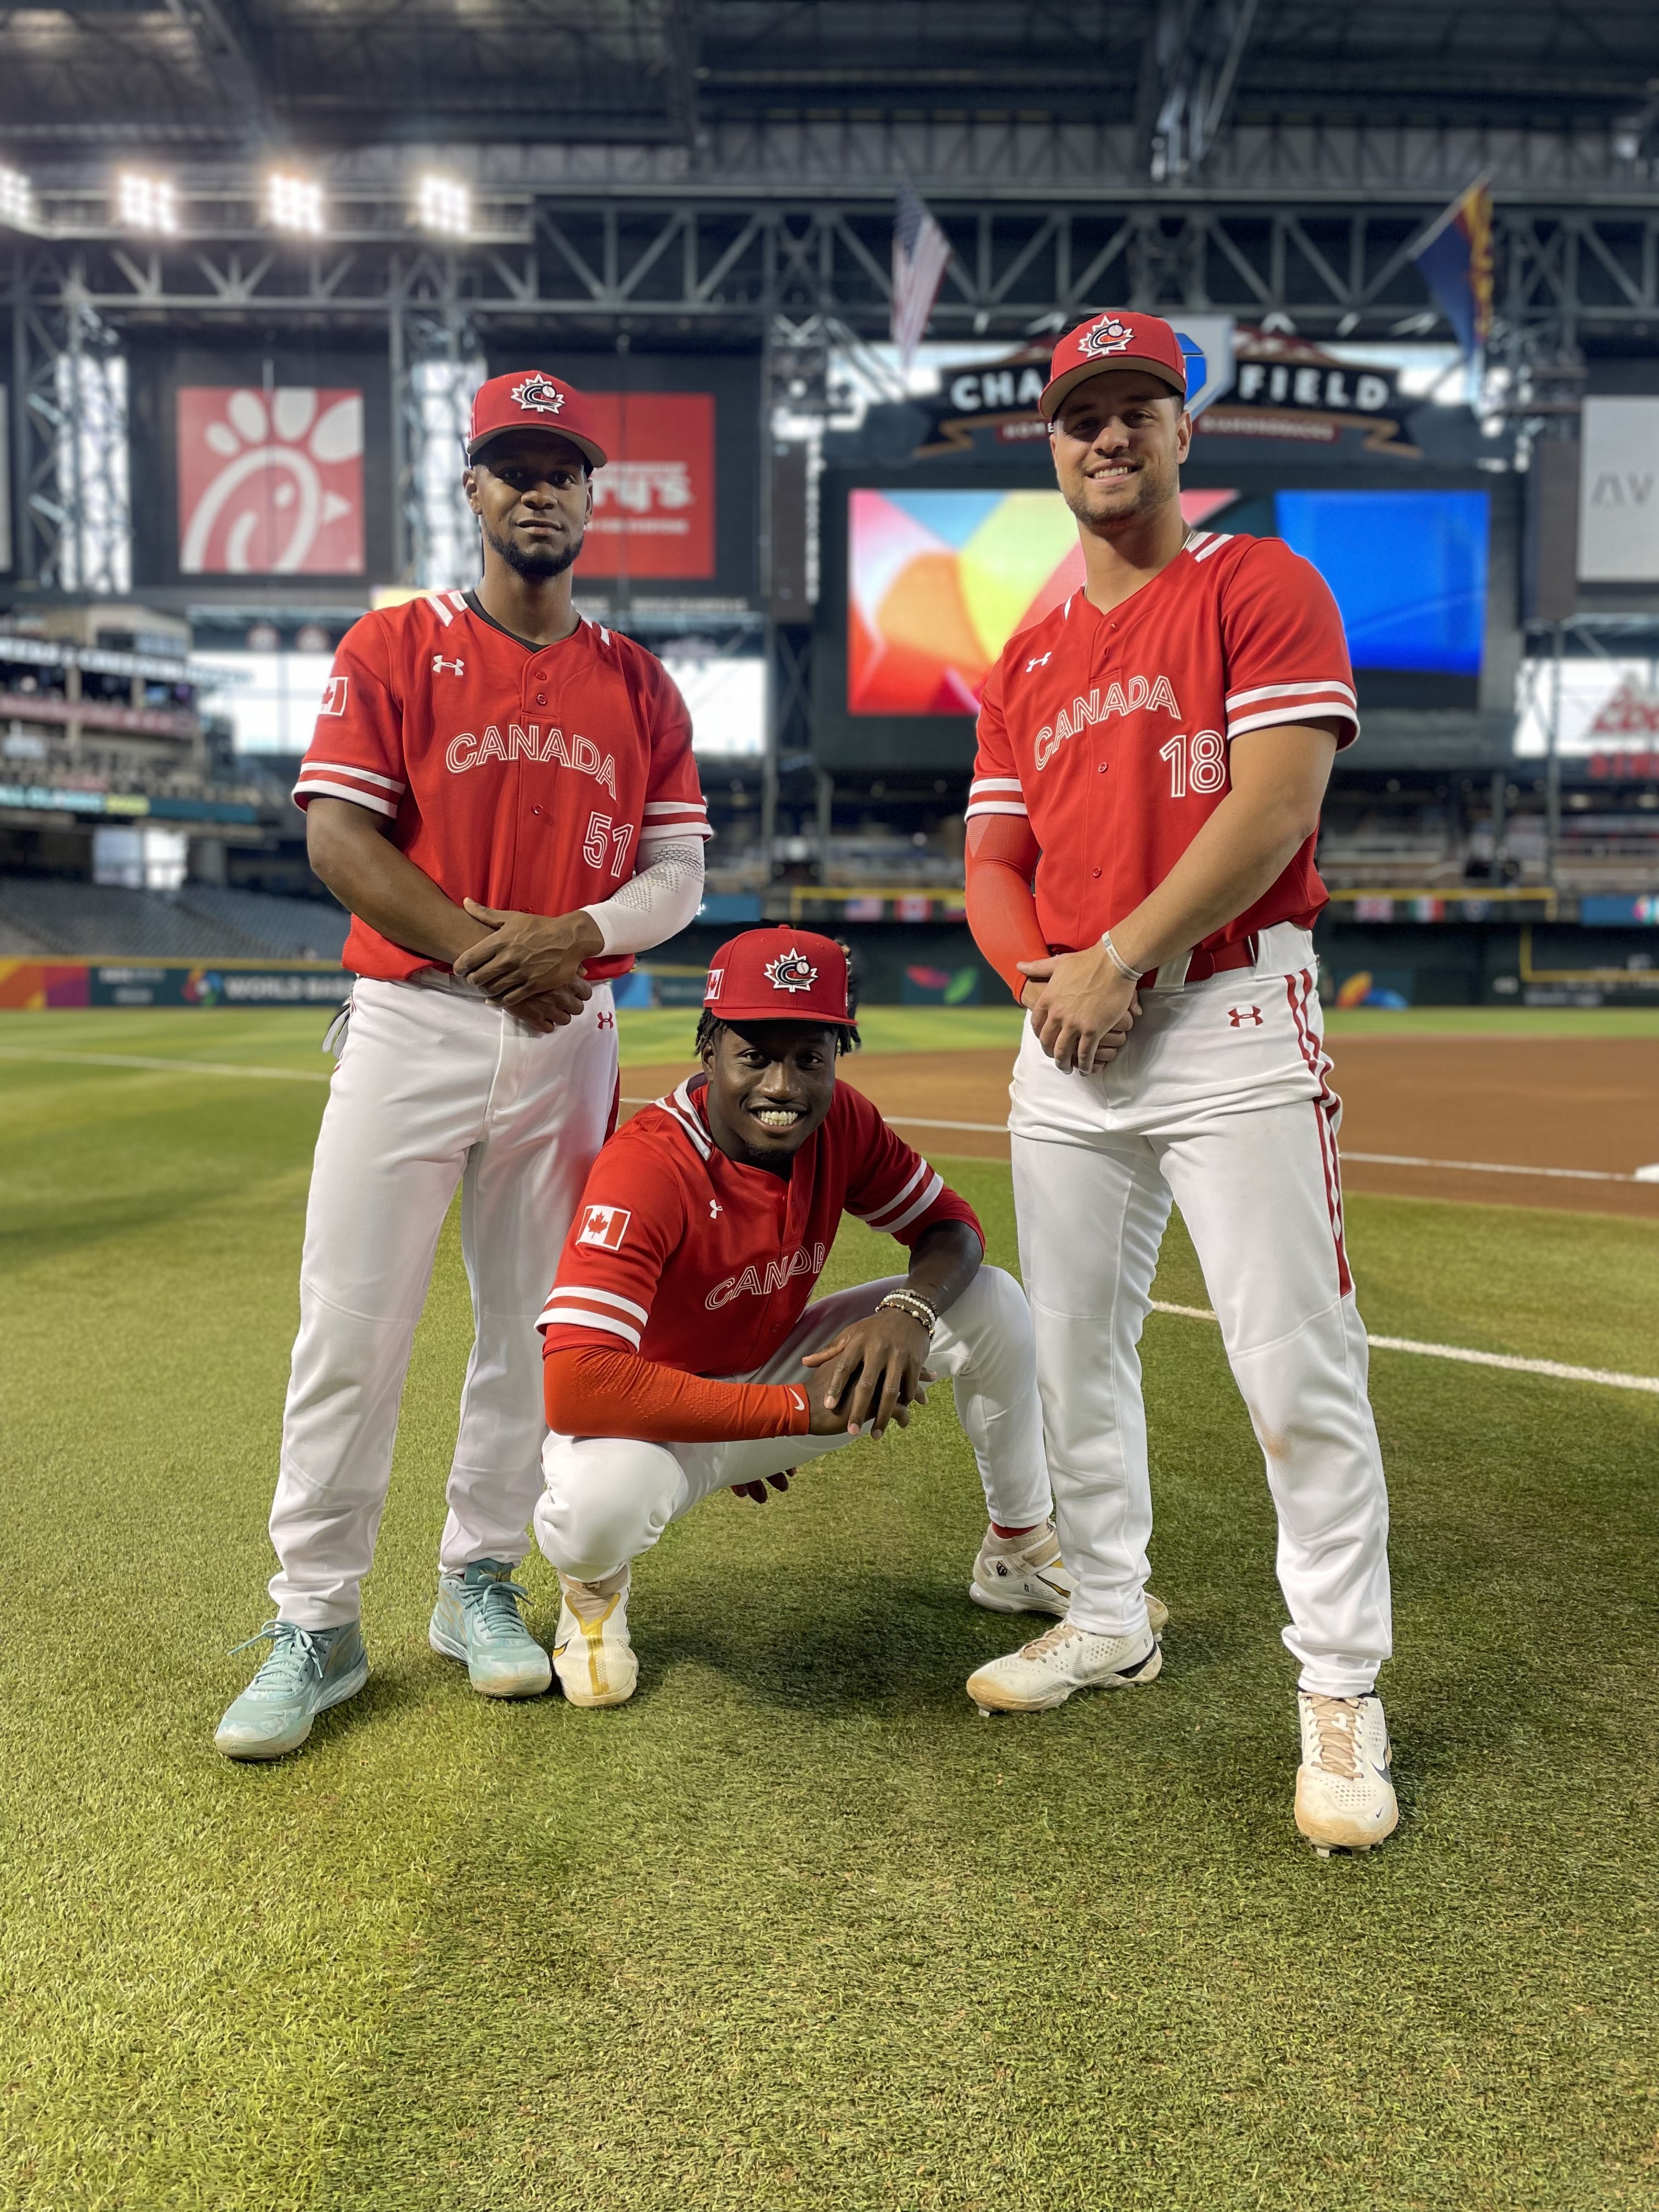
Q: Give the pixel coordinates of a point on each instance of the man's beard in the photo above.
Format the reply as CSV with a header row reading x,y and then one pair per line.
x,y
535,561
1152,490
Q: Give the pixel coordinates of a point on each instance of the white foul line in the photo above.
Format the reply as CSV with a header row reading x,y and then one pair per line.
x,y
1558,1370
1555,1369
904,1121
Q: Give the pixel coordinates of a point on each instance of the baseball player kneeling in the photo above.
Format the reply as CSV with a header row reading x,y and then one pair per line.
x,y
682,1357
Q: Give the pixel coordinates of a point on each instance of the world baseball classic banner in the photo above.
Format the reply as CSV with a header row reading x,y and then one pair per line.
x,y
41,986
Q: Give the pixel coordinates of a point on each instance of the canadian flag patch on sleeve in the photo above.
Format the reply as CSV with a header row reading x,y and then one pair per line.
x,y
604,1226
334,694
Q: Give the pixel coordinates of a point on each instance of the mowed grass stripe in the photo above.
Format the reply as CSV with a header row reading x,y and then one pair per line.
x,y
797,1928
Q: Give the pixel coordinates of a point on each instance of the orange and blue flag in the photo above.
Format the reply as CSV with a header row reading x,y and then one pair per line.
x,y
1456,261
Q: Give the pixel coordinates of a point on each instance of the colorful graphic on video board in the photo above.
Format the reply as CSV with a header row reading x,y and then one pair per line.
x,y
938,581
653,502
270,483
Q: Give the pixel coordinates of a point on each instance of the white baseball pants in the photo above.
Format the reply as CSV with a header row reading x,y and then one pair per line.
x,y
1218,1101
435,1088
609,1499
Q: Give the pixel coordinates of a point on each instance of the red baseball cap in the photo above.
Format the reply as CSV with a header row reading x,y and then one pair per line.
x,y
1114,340
530,399
779,975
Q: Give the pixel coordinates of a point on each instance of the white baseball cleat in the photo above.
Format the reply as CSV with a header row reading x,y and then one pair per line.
x,y
1345,1799
1044,1673
591,1655
1021,1574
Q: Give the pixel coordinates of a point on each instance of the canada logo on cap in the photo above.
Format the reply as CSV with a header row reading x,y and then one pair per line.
x,y
779,975
540,394
1115,341
1108,335
791,971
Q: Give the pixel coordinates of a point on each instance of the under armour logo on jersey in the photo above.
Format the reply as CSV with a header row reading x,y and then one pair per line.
x,y
714,1209
540,394
603,1226
455,667
1238,1016
1041,661
605,1021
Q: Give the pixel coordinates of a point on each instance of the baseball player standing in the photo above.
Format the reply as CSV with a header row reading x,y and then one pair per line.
x,y
503,794
1152,761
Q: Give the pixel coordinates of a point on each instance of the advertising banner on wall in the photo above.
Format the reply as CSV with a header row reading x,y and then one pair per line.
x,y
1618,492
247,464
654,503
271,482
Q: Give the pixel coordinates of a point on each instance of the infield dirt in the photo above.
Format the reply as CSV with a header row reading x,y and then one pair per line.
x,y
1521,1102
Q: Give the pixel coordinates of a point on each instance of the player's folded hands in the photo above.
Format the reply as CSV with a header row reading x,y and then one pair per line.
x,y
873,1371
1081,1008
531,957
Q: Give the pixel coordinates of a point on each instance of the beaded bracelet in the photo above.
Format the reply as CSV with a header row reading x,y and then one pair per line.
x,y
911,1303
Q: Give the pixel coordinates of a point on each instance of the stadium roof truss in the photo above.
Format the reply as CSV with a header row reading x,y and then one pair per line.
x,y
721,172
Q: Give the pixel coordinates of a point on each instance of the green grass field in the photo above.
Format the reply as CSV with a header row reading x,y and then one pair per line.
x,y
796,1929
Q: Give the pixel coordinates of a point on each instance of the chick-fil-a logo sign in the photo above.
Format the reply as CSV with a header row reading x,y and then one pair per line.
x,y
271,482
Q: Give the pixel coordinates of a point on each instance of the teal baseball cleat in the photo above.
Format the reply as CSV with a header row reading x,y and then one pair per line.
x,y
307,1670
476,1619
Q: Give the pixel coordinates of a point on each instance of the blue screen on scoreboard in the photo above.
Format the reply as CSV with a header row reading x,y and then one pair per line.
x,y
1406,569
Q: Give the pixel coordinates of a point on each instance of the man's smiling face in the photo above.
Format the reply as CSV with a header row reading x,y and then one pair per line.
x,y
532,493
771,1085
1119,441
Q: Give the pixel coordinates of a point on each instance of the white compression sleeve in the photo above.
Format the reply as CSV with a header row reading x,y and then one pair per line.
x,y
658,902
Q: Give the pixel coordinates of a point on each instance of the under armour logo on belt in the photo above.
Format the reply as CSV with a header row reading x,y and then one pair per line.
x,y
605,1021
455,667
1238,1016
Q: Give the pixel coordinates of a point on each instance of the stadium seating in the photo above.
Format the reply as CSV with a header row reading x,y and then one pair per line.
x,y
80,920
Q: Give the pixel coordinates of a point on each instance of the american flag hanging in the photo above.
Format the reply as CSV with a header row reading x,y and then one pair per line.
x,y
921,253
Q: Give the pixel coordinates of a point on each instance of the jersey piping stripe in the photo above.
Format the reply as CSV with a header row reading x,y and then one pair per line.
x,y
440,611
1199,537
1328,710
995,806
1222,537
995,783
678,1104
654,832
1327,1106
457,600
675,806
874,1215
1287,692
892,1228
589,1321
345,767
604,1298
359,798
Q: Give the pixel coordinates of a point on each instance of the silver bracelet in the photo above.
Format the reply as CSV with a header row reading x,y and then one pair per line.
x,y
1129,975
911,1303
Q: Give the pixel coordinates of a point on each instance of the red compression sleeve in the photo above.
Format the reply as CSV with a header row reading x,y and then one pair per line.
x,y
590,1393
1002,855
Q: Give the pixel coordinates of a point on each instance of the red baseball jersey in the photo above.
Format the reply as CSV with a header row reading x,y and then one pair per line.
x,y
1111,731
528,777
706,1265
